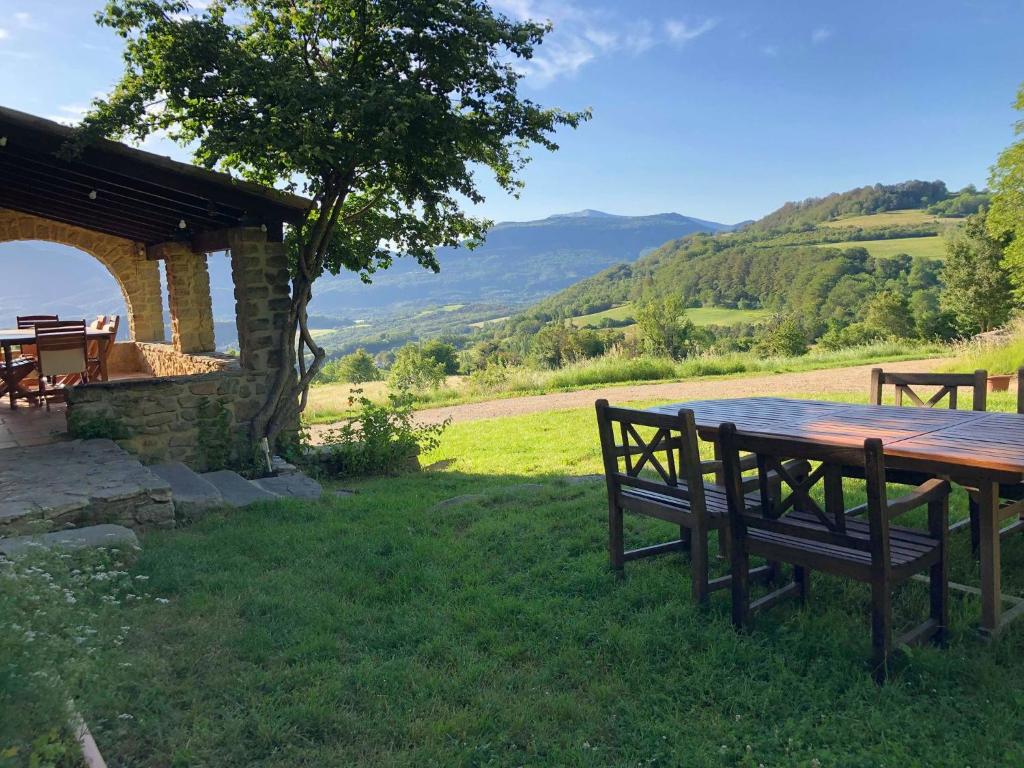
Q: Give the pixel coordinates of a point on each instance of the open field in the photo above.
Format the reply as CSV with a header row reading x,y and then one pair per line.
x,y
925,247
388,628
903,218
697,315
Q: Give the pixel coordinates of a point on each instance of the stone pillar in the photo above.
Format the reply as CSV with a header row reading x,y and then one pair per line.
x,y
188,294
262,298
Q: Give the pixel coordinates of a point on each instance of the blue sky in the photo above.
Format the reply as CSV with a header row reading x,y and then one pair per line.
x,y
721,110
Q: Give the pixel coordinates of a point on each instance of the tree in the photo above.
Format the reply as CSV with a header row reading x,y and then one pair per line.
x,y
443,353
358,367
888,314
415,369
977,286
382,112
1005,220
664,327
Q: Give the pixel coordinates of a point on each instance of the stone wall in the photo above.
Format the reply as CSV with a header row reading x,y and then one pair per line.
x,y
128,357
201,419
138,278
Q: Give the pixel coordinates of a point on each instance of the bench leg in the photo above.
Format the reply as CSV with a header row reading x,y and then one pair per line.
x,y
685,535
740,586
938,516
881,628
802,577
616,549
699,565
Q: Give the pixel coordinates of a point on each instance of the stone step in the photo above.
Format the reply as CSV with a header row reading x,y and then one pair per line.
x,y
193,494
79,482
235,490
76,538
294,485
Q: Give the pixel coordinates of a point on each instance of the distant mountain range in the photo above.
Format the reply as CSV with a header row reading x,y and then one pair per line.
x,y
519,263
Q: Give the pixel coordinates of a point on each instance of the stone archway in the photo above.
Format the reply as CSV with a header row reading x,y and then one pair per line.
x,y
138,278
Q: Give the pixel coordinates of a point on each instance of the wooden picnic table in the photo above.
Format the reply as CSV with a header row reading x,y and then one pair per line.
x,y
975,449
14,337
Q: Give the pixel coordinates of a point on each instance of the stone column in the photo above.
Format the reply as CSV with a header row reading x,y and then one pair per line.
x,y
188,297
262,298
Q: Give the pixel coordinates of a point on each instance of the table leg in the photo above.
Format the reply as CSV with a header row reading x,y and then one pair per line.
x,y
723,547
10,372
991,587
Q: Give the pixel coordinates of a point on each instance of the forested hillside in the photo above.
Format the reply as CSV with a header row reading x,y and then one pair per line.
x,y
843,269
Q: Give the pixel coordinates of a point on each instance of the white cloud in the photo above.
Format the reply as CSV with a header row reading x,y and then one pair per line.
x,y
820,35
580,35
681,32
4,34
69,114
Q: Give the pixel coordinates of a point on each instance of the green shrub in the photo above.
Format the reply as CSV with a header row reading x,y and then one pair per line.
x,y
380,438
783,336
355,368
415,369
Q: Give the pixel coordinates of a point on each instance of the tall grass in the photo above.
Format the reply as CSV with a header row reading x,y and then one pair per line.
x,y
1004,355
614,368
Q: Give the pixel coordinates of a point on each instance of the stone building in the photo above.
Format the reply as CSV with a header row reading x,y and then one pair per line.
x,y
138,213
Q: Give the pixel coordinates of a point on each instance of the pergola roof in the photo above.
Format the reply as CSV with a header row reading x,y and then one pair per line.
x,y
118,190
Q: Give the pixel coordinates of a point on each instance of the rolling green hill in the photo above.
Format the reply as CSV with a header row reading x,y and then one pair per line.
x,y
822,260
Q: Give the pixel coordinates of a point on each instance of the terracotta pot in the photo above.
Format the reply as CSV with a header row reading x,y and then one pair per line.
x,y
999,383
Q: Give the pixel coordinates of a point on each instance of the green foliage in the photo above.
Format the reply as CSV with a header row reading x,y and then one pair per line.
x,y
215,437
782,336
381,438
1006,216
967,201
977,286
354,368
415,369
888,315
664,327
559,343
444,353
864,200
86,426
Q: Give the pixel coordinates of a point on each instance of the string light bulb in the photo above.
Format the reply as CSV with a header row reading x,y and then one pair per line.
x,y
92,194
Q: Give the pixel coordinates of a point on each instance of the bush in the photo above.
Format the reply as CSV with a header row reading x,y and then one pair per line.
x,y
611,369
852,335
415,369
381,438
782,336
356,368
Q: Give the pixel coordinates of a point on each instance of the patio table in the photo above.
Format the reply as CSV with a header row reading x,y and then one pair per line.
x,y
975,449
12,337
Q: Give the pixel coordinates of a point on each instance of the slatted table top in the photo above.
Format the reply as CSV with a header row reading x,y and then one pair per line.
x,y
28,335
973,441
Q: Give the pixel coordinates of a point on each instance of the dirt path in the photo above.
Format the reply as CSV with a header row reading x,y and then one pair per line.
x,y
853,379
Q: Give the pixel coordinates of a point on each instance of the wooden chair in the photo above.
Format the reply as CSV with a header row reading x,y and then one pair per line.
x,y
795,529
29,321
99,351
662,476
61,351
948,384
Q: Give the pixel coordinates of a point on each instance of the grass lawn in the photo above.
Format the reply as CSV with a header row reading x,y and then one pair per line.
x,y
390,629
933,247
903,218
697,315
